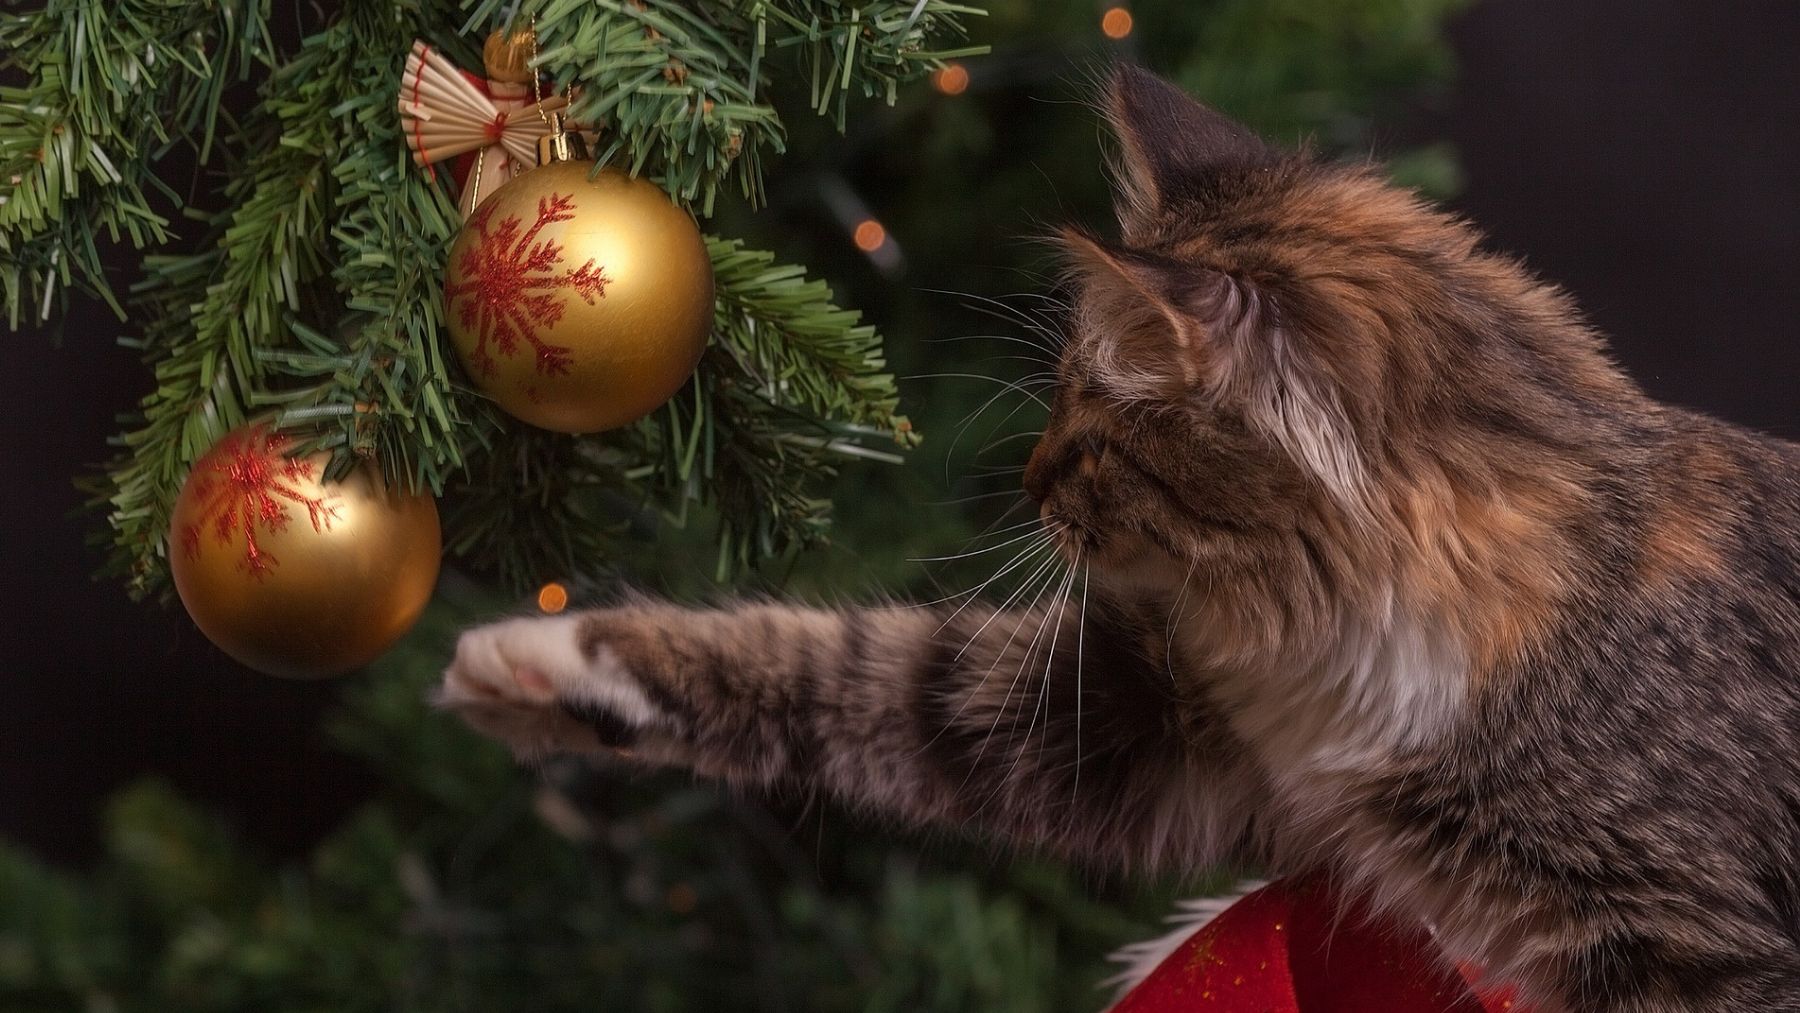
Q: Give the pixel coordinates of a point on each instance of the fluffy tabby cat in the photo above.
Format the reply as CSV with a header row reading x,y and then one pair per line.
x,y
1393,576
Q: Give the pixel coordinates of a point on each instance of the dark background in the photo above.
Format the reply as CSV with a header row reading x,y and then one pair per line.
x,y
1641,153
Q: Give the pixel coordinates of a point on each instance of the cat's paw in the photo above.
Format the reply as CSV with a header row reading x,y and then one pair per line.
x,y
528,683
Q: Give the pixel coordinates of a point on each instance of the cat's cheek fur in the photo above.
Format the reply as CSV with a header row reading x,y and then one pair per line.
x,y
527,682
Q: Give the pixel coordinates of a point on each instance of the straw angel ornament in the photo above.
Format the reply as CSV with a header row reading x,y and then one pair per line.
x,y
446,112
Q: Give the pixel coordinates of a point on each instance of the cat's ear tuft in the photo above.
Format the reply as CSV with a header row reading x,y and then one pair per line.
x,y
1170,145
1140,303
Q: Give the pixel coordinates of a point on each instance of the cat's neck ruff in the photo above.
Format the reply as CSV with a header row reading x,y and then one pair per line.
x,y
1365,688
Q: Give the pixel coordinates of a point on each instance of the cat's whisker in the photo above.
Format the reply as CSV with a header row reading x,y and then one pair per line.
x,y
1020,358
1175,617
998,310
1080,645
990,530
1023,385
996,427
1001,610
1048,562
1026,661
1026,386
977,552
1052,620
974,593
1000,711
1060,608
1023,500
1044,360
1008,384
1004,440
975,497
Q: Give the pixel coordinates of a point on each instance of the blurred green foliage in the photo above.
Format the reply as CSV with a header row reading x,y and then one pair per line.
x,y
466,883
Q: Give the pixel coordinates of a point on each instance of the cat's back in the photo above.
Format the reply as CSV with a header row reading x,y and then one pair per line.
x,y
1649,739
1748,486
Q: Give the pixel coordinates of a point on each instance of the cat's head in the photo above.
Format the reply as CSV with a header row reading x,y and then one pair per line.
x,y
1284,365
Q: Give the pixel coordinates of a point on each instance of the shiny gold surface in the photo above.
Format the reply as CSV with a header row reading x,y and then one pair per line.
x,y
292,577
507,56
606,305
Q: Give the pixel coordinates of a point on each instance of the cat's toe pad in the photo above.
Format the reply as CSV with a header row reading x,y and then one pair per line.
x,y
528,683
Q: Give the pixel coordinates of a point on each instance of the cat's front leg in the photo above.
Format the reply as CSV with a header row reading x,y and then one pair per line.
x,y
1049,727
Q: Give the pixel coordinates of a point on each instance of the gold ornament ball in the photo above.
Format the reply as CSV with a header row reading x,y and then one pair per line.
x,y
579,304
294,576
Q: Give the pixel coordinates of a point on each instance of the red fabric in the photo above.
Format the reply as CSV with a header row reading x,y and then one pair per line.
x,y
1290,948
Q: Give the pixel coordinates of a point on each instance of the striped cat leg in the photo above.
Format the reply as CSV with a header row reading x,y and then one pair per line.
x,y
1043,725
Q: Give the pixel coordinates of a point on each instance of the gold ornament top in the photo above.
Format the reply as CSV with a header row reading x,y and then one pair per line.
x,y
507,55
561,144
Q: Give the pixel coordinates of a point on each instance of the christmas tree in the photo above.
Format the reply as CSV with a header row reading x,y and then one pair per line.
x,y
312,292
294,271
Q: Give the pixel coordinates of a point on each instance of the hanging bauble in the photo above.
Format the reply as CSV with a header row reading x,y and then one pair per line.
x,y
579,304
292,575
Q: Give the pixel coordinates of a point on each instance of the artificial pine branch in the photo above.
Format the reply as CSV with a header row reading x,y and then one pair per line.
x,y
206,315
317,300
382,378
798,349
685,89
110,86
539,505
790,385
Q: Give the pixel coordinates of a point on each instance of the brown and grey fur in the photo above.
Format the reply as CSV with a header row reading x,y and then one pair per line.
x,y
1376,565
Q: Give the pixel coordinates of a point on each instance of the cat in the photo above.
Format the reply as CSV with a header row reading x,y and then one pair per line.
x,y
1388,573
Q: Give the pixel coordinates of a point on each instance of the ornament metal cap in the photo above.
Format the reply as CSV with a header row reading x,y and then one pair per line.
x,y
560,144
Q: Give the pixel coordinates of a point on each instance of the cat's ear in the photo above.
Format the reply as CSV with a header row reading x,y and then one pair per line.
x,y
1155,315
1164,330
1171,145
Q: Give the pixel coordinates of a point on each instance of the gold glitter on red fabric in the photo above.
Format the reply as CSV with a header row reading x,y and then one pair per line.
x,y
1295,947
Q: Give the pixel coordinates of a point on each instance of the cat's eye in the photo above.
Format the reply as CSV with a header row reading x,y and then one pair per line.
x,y
1093,454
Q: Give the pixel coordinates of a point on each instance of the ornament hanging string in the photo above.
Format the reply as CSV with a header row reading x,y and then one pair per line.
x,y
475,178
537,79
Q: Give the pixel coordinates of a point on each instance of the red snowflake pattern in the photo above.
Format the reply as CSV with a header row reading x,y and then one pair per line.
x,y
245,485
511,287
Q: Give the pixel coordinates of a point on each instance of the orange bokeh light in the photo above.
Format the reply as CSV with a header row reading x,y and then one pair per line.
x,y
951,80
553,598
1116,22
682,898
869,235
